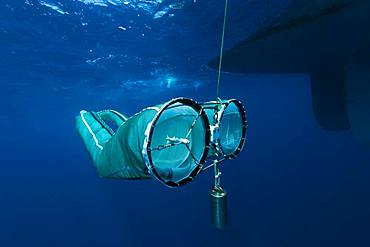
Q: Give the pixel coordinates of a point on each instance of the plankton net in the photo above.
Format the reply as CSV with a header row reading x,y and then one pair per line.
x,y
168,141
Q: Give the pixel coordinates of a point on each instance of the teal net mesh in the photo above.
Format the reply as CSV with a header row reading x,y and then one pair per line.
x,y
168,141
178,142
231,130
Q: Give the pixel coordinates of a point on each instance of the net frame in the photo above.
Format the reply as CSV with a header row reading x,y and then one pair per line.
x,y
219,108
147,150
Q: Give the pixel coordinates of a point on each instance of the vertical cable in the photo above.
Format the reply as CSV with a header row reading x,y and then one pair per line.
x,y
221,50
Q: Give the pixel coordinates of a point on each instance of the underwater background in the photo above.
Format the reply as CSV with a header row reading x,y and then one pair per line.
x,y
294,184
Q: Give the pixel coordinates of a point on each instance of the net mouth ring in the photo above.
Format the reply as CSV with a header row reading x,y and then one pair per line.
x,y
243,115
148,139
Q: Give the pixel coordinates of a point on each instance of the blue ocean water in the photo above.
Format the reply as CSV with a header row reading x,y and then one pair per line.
x,y
295,183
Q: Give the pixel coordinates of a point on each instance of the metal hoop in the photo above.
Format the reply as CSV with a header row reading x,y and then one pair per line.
x,y
147,155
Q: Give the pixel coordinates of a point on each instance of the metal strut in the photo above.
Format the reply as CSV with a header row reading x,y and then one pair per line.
x,y
217,173
218,198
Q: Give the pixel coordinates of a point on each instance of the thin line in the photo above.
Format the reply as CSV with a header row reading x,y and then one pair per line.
x,y
192,155
207,167
161,147
193,124
221,49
